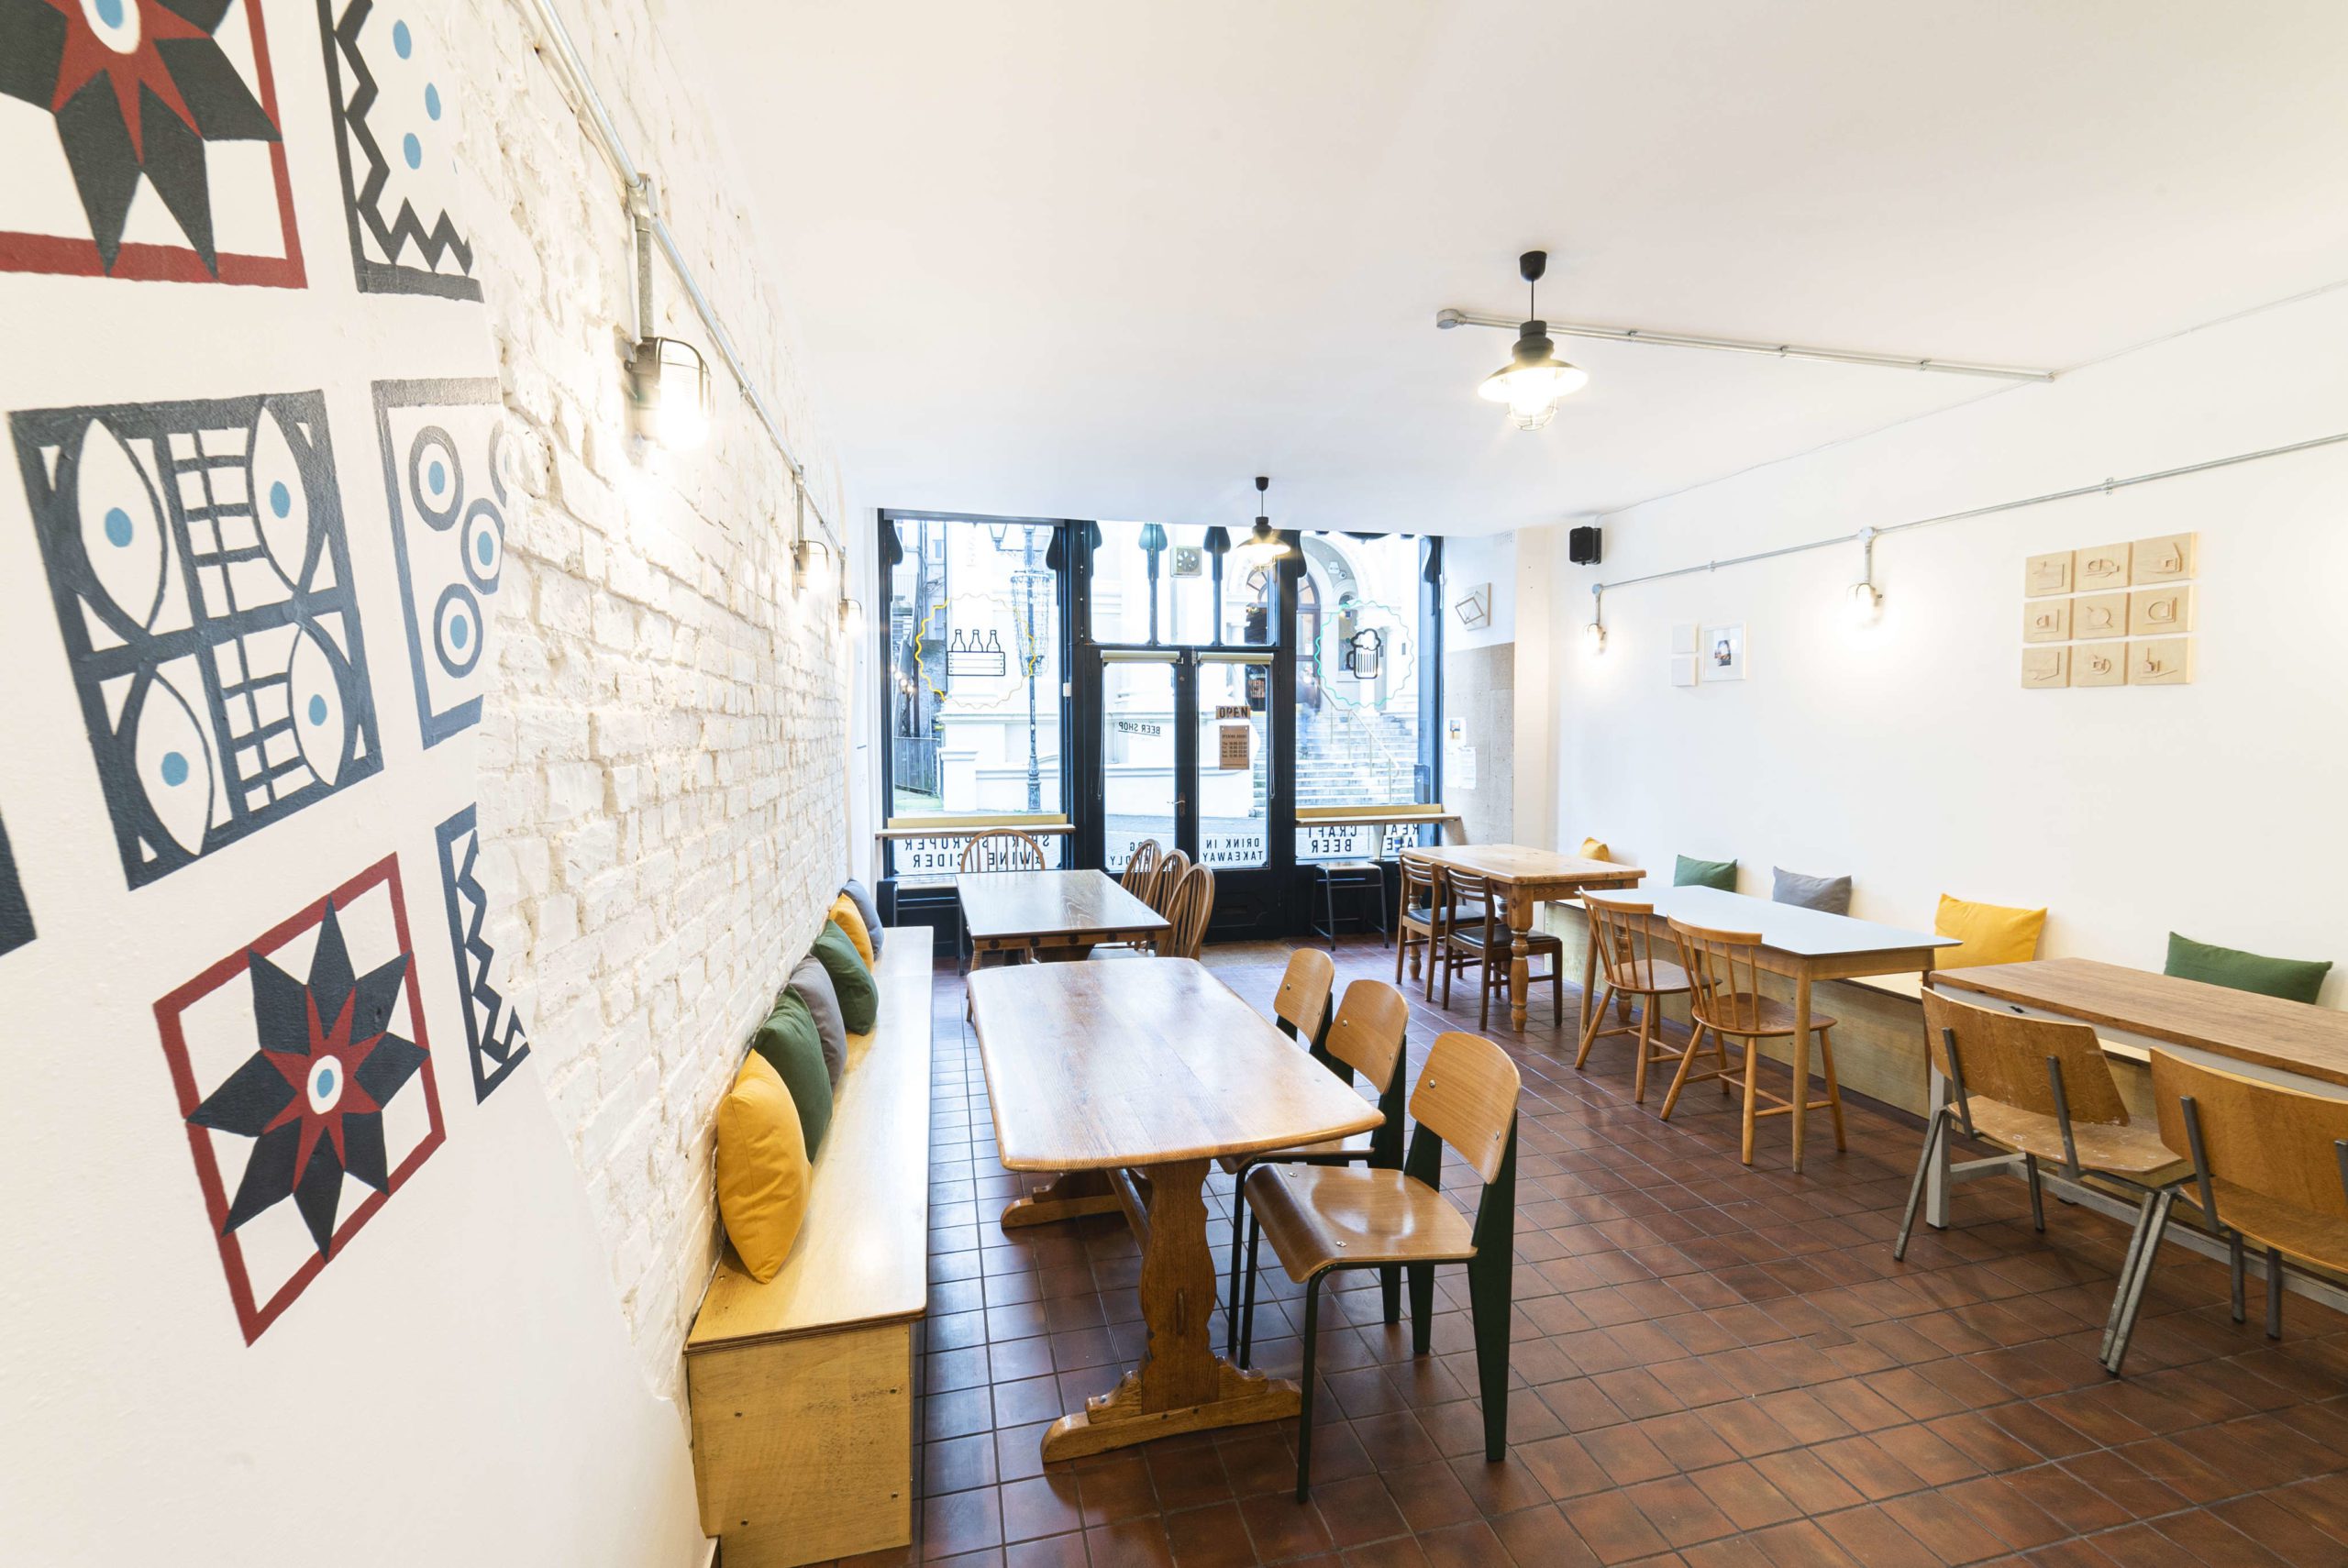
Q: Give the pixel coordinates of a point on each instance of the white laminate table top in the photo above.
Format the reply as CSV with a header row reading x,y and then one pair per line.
x,y
1788,928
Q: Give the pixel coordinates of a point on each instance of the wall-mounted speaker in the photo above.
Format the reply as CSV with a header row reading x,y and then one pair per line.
x,y
1582,546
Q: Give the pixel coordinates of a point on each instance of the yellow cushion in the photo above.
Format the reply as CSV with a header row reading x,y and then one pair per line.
x,y
1594,849
851,920
1992,933
762,1171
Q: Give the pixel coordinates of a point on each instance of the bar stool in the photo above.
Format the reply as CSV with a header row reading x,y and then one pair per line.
x,y
1353,876
1725,1001
1626,941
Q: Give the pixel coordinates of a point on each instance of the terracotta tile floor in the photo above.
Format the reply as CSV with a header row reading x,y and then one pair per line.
x,y
1711,1366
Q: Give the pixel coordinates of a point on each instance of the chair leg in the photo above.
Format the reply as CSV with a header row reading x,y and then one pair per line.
x,y
2037,1194
1402,950
1487,1309
1238,1225
1833,1087
1932,1132
2273,1294
2127,1272
1679,1078
1751,1091
1304,1386
2133,1300
2234,1268
1639,1069
1247,1299
1390,1291
1484,995
1329,907
1589,1033
1422,1277
1720,1055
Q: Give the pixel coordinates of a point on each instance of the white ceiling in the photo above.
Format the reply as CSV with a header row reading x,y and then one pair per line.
x,y
1111,260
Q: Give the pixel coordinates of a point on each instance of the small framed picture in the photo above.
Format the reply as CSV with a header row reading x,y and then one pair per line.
x,y
1683,669
1721,651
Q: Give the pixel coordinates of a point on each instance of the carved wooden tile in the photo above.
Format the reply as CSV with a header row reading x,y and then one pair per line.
x,y
2099,615
2160,611
2042,575
2102,664
2045,669
2165,558
2162,661
2046,620
2105,566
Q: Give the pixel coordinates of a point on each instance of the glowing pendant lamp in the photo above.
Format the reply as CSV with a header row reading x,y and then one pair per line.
x,y
1535,378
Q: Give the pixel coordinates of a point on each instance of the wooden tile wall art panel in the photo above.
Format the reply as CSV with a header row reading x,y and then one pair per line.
x,y
2043,668
2042,575
2046,620
2168,558
395,142
2099,664
2099,615
2162,661
2161,612
2104,567
176,103
201,578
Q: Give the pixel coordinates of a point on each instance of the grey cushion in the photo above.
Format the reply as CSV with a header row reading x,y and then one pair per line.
x,y
1832,894
868,909
814,984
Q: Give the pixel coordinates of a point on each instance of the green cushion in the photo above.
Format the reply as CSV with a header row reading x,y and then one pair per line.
x,y
2293,979
851,981
790,1045
1721,874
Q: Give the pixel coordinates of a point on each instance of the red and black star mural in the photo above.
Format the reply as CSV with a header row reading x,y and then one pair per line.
x,y
144,95
306,1086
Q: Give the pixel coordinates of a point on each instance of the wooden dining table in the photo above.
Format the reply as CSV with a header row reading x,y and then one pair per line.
x,y
1127,1081
1805,945
1525,876
1054,914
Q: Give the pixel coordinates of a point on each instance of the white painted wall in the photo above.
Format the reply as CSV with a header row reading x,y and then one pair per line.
x,y
1473,560
1908,753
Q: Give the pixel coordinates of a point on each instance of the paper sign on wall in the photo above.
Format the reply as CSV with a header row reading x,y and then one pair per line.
x,y
1234,745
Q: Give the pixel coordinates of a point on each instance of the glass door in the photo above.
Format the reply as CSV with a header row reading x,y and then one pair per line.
x,y
1231,775
1138,734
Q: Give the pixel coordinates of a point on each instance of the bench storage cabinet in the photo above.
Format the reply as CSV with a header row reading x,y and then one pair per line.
x,y
802,1388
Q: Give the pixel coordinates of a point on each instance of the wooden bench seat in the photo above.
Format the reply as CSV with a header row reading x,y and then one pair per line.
x,y
802,1388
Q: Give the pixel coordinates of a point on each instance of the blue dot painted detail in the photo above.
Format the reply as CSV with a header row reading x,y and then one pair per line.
x,y
458,633
325,1080
174,769
110,11
436,476
281,500
400,41
318,710
432,100
117,526
413,150
482,547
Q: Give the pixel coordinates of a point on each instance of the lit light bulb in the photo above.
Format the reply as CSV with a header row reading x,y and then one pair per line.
x,y
1594,636
1531,415
1866,603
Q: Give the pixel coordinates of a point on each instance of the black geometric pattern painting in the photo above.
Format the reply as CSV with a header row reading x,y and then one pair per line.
x,y
16,919
198,561
173,97
493,1030
395,140
446,481
305,1086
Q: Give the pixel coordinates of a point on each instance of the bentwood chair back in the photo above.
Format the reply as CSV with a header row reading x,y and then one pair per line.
x,y
1632,955
1419,919
1003,849
2270,1170
1187,912
1725,1003
2041,1089
1302,1004
1172,869
1141,870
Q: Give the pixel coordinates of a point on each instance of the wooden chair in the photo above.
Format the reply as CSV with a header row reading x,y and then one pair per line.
x,y
998,849
1725,1001
1419,919
1626,953
2041,1089
1172,869
2269,1169
1187,912
1366,1037
1475,935
1324,1217
1141,870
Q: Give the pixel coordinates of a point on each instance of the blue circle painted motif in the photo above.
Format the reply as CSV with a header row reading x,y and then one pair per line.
x,y
458,633
413,150
118,527
318,710
174,769
482,547
281,500
400,41
437,477
110,11
325,1080
432,100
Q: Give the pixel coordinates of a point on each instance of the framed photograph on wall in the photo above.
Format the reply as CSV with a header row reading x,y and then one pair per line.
x,y
1721,650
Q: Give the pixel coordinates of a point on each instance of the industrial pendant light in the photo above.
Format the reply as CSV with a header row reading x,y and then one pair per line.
x,y
1263,544
1535,378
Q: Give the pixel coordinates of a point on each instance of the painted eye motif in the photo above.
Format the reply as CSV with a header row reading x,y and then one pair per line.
x,y
483,546
174,764
456,629
319,723
115,22
433,477
122,532
280,502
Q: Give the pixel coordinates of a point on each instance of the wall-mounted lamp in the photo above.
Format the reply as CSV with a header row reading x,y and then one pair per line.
x,y
669,393
1866,598
1594,636
852,616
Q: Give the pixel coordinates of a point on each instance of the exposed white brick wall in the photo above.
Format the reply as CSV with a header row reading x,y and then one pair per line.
x,y
662,763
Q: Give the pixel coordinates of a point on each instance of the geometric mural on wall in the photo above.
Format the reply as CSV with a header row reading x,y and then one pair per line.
x,y
16,919
394,140
305,1081
198,562
146,144
493,1030
444,458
